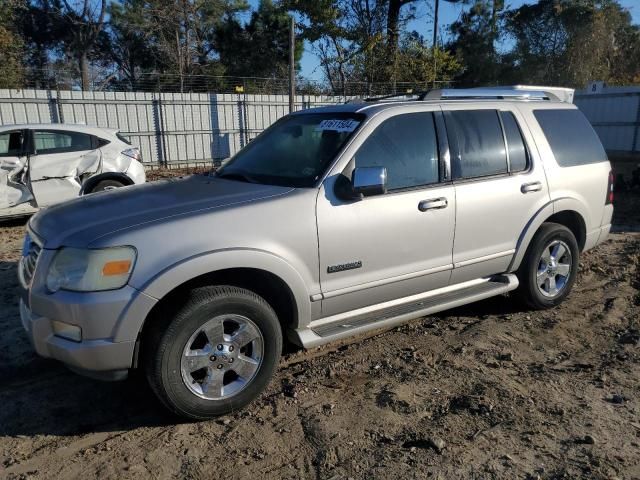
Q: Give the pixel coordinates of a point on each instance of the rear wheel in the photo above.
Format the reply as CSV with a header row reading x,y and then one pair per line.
x,y
216,354
103,185
549,269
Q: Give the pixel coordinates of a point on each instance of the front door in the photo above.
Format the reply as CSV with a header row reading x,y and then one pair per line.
x,y
392,245
13,162
60,160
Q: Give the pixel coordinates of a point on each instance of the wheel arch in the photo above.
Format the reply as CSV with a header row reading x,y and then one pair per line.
x,y
568,212
91,182
265,274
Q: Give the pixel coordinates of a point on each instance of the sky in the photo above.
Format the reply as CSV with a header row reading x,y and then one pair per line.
x,y
423,24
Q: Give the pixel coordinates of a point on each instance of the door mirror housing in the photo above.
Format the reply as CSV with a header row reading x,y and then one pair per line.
x,y
369,181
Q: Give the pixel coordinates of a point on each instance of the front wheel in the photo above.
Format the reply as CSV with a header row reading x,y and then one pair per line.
x,y
215,355
550,267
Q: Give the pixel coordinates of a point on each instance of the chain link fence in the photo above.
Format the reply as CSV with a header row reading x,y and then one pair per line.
x,y
53,79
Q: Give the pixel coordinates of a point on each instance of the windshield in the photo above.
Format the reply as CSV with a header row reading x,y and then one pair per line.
x,y
295,151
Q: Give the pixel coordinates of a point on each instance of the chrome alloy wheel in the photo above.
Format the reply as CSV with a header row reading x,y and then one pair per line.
x,y
222,356
554,268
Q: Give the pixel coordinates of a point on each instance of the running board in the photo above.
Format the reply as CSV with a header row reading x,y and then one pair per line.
x,y
325,331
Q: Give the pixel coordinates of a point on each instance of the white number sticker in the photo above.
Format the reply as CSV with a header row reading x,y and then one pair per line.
x,y
338,125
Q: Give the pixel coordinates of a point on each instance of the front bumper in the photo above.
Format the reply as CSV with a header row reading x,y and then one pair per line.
x,y
100,355
109,321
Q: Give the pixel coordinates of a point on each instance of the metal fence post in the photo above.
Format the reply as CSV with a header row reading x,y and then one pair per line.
x,y
59,104
634,147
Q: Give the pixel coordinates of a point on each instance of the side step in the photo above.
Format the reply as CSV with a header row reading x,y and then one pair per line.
x,y
328,331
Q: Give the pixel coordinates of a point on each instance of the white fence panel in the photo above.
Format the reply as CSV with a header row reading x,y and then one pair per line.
x,y
615,116
167,127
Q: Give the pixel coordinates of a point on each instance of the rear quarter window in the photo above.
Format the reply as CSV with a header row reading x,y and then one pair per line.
x,y
571,137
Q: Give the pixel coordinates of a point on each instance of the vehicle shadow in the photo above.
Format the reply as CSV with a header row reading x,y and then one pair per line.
x,y
51,400
501,305
16,221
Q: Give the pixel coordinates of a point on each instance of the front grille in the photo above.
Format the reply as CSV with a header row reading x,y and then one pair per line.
x,y
28,263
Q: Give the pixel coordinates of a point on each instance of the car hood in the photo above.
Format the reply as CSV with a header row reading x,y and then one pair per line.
x,y
80,221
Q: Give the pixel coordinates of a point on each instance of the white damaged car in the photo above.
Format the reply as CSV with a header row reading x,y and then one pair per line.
x,y
43,164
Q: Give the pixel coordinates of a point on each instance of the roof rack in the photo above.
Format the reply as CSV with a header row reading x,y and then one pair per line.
x,y
501,94
515,92
407,94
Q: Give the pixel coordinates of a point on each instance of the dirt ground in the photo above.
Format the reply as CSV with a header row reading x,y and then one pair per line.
x,y
490,390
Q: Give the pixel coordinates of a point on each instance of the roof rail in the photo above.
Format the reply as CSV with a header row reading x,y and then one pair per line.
x,y
497,93
515,92
408,93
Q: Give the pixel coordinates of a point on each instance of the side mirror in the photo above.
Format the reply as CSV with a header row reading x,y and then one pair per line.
x,y
368,181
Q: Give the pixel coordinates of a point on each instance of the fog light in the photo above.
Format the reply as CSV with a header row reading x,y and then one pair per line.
x,y
65,330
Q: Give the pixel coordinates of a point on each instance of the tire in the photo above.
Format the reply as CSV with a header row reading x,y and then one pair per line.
x,y
200,369
542,288
107,185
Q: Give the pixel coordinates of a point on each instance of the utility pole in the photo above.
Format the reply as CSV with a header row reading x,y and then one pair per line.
x,y
292,63
435,23
435,41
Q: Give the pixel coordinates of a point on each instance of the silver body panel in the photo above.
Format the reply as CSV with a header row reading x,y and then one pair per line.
x,y
339,258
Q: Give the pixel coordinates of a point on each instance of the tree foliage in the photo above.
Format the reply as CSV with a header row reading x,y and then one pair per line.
x,y
11,47
261,47
475,35
570,42
123,43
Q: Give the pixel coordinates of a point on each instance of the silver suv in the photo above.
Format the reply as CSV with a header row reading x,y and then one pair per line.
x,y
333,222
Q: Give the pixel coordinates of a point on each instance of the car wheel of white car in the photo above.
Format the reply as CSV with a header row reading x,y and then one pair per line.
x,y
103,185
216,354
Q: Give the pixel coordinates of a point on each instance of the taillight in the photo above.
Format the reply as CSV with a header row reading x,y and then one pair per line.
x,y
609,199
133,153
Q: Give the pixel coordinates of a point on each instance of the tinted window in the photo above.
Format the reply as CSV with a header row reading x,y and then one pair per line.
x,y
295,151
101,142
515,143
477,143
49,141
11,144
406,145
571,137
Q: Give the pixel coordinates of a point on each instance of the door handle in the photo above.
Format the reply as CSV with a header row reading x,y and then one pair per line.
x,y
432,204
531,187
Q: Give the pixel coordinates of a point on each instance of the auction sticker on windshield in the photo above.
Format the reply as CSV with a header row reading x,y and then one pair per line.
x,y
338,125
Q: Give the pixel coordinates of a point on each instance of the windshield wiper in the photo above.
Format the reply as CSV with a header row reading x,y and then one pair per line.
x,y
236,176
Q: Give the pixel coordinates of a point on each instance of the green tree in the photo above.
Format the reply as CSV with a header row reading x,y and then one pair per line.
x,y
174,38
356,40
85,21
11,47
130,48
474,45
423,64
568,42
260,48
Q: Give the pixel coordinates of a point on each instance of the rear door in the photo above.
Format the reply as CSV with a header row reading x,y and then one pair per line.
x,y
499,182
59,162
13,161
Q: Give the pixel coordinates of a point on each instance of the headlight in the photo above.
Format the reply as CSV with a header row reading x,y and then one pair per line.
x,y
84,270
